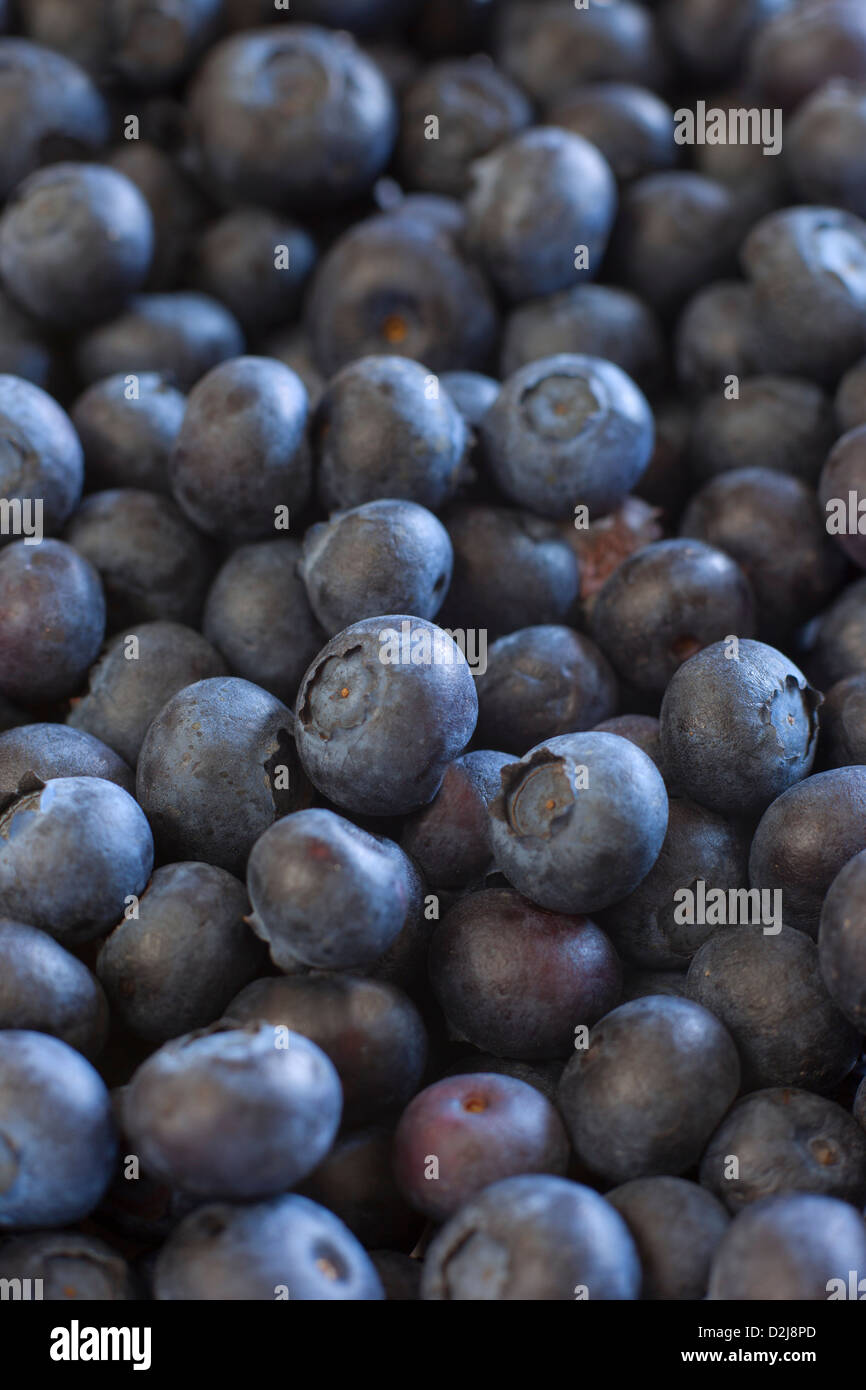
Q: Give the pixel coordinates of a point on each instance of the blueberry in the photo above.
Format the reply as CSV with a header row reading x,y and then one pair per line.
x,y
532,1237
107,232
579,822
473,393
371,1031
292,347
477,108
52,620
128,433
177,964
177,205
180,335
256,264
516,980
738,726
795,1247
50,109
676,1227
715,336
842,941
664,604
850,401
646,927
450,838
710,37
639,983
240,459
843,479
600,320
533,202
216,768
399,284
233,1112
285,1248
381,712
152,562
822,144
543,1075
291,116
837,639
39,752
326,893
607,542
399,1273
541,682
843,722
779,423
356,1182
145,45
805,837
784,1141
41,460
631,126
46,990
69,1265
568,430
481,1128
549,47
359,16
511,570
803,45
130,683
860,1104
74,851
258,616
24,350
768,992
57,1135
641,729
383,430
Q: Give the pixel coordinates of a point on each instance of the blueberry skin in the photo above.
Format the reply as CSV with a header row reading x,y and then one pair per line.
x,y
177,205
450,838
631,126
237,264
768,992
381,748
789,1248
53,620
844,473
641,729
529,1238
782,423
602,546
837,642
511,570
125,695
69,1266
532,201
128,441
698,845
842,940
152,562
850,399
291,116
801,47
370,1029
49,105
241,454
73,851
666,602
677,1227
176,966
807,266
356,1182
566,430
46,990
40,453
57,1134
594,825
599,320
786,1141
379,433
258,616
384,556
660,1046
716,334
233,1111
541,682
516,980
399,284
35,753
843,722
805,837
107,232
181,335
24,352
211,771
772,525
473,393
326,893
542,1075
860,1104
822,144
479,109
711,37
224,1253
738,732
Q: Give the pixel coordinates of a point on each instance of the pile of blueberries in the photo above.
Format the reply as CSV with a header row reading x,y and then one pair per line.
x,y
433,649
